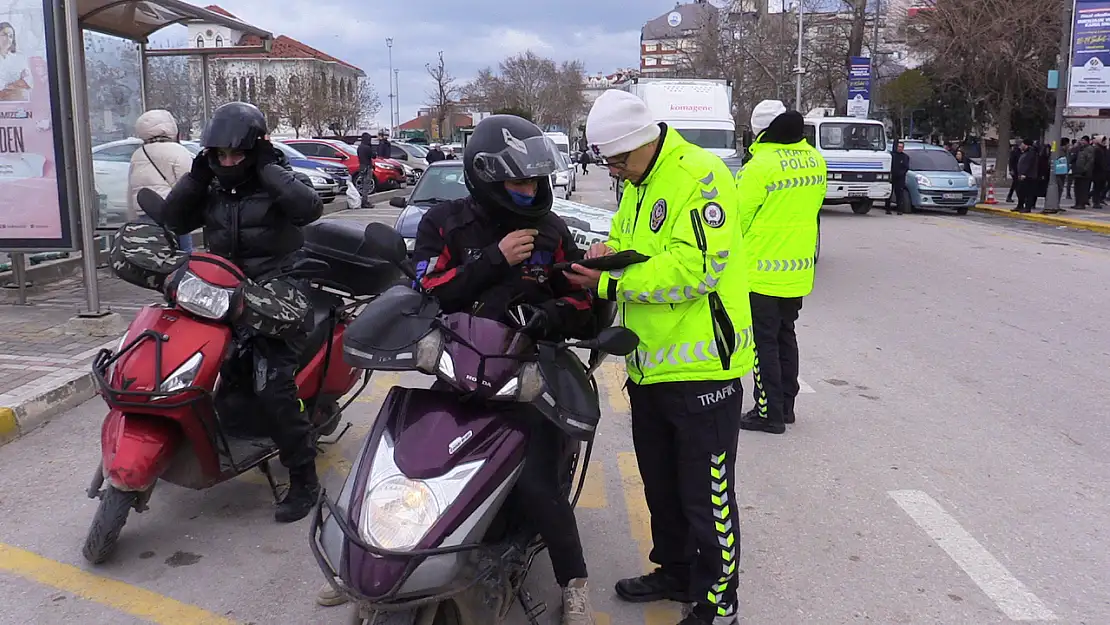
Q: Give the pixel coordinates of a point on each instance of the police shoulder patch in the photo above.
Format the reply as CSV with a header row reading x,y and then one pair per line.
x,y
713,215
658,215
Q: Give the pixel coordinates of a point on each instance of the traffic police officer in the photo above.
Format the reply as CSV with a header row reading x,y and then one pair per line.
x,y
689,306
781,190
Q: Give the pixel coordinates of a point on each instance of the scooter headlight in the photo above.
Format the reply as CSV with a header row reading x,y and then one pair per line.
x,y
183,376
201,298
525,386
398,512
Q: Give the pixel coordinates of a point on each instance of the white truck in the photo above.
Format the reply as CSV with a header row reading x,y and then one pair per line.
x,y
857,157
699,109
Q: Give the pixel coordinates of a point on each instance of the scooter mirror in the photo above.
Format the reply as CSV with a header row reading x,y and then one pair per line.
x,y
617,341
152,204
382,241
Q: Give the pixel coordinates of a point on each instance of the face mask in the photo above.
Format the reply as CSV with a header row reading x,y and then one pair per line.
x,y
521,199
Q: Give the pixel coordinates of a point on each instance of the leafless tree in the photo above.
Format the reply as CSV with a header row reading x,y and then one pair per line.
x,y
550,94
997,50
443,95
172,86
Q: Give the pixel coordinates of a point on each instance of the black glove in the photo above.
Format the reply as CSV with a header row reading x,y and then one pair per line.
x,y
538,326
264,154
201,170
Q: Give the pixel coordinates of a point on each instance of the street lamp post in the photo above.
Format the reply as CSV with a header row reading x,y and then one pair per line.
x,y
389,44
397,92
1063,64
798,69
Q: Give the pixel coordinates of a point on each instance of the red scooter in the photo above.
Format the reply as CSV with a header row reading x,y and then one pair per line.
x,y
177,377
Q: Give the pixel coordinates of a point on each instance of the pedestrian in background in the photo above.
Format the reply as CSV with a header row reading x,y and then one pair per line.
x,y
780,198
899,168
1099,173
1060,170
1044,168
1026,178
963,160
686,398
1073,154
366,155
384,147
1015,155
1083,172
158,164
435,154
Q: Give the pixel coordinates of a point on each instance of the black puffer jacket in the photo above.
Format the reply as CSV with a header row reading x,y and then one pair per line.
x,y
256,225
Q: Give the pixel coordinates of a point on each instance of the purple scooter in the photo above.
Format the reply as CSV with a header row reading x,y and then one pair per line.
x,y
424,531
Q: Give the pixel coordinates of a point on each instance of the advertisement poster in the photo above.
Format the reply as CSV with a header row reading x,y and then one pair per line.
x,y
33,211
859,87
1089,77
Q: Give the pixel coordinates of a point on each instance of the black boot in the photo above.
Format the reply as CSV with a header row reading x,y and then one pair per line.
x,y
788,412
754,422
304,490
655,586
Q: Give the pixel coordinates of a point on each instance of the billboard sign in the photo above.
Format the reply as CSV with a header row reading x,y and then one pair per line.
x,y
1089,75
34,206
859,87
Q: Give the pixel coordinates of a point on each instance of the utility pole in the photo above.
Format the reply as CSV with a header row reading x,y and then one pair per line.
x,y
389,44
798,69
1063,63
397,92
872,71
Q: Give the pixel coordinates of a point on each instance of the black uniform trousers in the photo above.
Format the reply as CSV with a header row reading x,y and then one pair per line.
x,y
685,437
776,354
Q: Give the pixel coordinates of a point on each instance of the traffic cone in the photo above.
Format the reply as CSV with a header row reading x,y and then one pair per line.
x,y
990,194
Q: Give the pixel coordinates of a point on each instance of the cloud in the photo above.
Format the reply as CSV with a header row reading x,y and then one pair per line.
x,y
603,34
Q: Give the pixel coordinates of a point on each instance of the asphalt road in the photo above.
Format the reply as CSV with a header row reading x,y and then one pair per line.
x,y
948,465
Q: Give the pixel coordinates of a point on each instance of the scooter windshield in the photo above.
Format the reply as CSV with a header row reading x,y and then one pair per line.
x,y
389,327
484,354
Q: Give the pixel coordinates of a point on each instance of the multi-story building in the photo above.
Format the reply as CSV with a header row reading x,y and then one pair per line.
x,y
667,41
290,66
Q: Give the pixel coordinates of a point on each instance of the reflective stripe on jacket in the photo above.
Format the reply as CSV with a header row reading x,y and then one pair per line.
x,y
781,190
689,302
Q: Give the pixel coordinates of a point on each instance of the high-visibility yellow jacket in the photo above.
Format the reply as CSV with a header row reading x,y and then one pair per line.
x,y
781,190
689,302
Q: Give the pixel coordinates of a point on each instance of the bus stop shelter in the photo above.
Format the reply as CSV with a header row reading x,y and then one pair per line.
x,y
65,23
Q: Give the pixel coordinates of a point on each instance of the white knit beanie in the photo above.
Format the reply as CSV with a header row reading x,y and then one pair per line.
x,y
619,122
764,113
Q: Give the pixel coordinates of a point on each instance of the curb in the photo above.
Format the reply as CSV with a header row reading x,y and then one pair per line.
x,y
1052,220
34,409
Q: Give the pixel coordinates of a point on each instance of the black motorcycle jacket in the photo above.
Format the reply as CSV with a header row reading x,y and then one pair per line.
x,y
257,224
458,261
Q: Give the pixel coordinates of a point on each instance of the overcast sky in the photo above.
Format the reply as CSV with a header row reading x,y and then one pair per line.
x,y
603,34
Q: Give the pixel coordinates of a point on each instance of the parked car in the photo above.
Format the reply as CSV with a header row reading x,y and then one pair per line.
x,y
937,180
297,159
443,181
111,164
388,173
413,156
565,181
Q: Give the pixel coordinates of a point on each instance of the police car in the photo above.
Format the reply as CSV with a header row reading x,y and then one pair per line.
x,y
443,181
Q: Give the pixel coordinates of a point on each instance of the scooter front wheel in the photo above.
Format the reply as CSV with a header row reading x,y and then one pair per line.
x,y
108,522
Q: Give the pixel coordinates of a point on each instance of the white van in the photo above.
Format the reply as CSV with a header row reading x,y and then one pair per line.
x,y
855,151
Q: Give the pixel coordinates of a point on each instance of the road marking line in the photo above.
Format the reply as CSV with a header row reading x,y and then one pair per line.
x,y
601,618
639,520
593,491
611,378
804,388
133,600
1011,596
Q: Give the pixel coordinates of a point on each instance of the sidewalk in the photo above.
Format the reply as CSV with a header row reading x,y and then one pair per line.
x,y
45,363
1085,219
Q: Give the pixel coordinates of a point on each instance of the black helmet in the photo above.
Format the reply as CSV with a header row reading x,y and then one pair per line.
x,y
507,147
235,125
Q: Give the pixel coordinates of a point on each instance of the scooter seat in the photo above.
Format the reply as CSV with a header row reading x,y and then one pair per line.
x,y
322,303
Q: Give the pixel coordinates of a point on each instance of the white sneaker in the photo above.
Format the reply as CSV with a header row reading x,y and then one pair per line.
x,y
576,604
329,596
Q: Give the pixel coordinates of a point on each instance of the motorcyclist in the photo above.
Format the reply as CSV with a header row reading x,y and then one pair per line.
x,y
252,207
491,252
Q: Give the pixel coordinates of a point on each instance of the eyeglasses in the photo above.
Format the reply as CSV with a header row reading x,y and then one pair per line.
x,y
618,161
